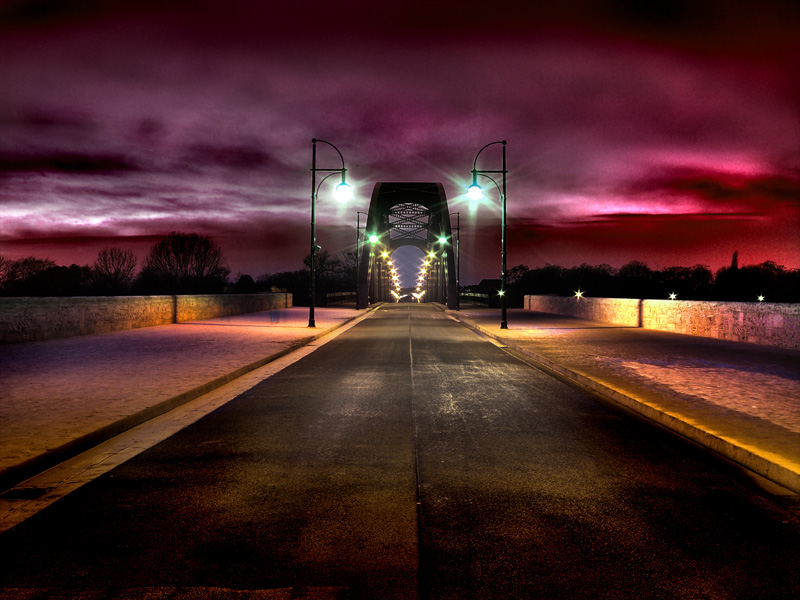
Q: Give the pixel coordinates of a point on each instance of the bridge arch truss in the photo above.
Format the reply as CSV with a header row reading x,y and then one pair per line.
x,y
407,214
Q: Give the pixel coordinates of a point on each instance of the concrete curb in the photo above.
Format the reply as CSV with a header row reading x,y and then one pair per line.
x,y
757,463
14,475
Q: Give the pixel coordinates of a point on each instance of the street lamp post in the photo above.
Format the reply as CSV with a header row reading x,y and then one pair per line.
x,y
358,256
444,272
458,259
343,191
475,192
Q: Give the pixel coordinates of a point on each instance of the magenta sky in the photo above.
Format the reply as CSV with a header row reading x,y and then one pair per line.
x,y
669,134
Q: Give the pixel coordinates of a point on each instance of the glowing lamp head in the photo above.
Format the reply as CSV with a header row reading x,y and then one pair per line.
x,y
373,239
343,191
442,240
475,192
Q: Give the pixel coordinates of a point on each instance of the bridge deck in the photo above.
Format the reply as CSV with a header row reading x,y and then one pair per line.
x,y
58,391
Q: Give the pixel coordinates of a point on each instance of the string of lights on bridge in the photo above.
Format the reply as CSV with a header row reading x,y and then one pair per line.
x,y
396,290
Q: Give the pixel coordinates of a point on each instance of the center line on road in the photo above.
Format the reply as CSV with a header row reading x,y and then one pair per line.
x,y
416,451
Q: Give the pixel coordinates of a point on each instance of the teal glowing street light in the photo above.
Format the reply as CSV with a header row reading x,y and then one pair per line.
x,y
343,192
475,192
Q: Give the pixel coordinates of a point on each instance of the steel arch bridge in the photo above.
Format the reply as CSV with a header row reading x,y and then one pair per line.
x,y
407,214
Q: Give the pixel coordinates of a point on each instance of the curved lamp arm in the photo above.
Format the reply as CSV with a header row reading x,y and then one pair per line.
x,y
323,181
475,170
343,170
475,162
497,185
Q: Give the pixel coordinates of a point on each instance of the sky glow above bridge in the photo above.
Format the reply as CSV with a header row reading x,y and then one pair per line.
x,y
667,134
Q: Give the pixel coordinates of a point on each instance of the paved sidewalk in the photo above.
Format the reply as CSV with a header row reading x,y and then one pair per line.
x,y
59,397
742,400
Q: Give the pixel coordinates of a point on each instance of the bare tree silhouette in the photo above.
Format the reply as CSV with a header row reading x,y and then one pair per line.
x,y
184,263
114,270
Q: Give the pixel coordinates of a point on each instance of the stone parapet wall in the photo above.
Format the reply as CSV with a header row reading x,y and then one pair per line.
x,y
765,323
211,306
37,319
620,311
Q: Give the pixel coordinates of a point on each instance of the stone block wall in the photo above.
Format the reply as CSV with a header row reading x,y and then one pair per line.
x,y
37,319
766,323
620,311
211,306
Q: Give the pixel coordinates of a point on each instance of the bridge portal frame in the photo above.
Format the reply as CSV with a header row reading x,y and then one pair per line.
x,y
385,197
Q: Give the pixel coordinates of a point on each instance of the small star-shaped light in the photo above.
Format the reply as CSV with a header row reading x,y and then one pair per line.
x,y
761,298
579,294
501,293
673,295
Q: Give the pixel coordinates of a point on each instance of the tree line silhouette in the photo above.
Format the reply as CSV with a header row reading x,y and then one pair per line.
x,y
766,281
190,263
180,263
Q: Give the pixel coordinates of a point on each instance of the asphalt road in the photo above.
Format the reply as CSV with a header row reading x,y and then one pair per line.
x,y
410,458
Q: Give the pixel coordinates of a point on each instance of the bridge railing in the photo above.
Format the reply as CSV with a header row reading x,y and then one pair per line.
x,y
339,298
766,323
37,319
475,298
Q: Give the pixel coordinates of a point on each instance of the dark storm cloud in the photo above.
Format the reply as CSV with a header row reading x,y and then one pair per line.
x,y
51,119
66,163
738,191
237,157
754,189
619,218
36,12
